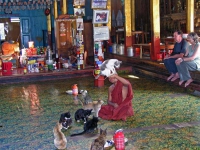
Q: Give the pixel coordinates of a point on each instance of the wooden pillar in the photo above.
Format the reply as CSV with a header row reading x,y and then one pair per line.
x,y
133,15
49,29
164,4
64,7
155,28
55,9
190,16
169,6
128,25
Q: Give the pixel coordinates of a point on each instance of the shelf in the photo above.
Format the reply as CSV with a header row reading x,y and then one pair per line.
x,y
35,56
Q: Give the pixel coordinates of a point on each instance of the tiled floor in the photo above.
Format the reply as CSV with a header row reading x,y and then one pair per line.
x,y
166,116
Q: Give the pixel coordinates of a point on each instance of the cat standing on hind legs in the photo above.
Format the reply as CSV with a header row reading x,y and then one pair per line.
x,y
60,140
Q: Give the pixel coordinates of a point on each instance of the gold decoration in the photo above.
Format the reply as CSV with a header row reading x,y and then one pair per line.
x,y
64,7
109,19
127,9
155,17
133,15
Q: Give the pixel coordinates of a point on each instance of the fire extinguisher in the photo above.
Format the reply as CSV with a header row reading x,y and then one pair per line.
x,y
75,89
119,140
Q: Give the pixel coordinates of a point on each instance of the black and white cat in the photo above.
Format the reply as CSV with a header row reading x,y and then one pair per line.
x,y
82,114
108,67
65,120
89,126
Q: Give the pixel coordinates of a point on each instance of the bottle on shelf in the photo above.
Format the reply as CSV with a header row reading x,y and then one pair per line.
x,y
60,60
25,70
49,54
78,63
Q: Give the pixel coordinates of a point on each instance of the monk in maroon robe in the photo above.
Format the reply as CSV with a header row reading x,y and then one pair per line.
x,y
120,97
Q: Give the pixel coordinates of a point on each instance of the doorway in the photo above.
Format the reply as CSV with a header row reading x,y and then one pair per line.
x,y
10,30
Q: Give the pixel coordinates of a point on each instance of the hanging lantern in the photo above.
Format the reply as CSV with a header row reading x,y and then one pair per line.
x,y
47,11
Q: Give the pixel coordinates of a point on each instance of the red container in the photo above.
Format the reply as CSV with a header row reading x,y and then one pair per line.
x,y
98,79
99,82
28,52
119,140
137,51
159,56
34,51
6,68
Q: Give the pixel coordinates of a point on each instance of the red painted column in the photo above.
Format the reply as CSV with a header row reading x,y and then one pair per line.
x,y
155,47
128,43
155,28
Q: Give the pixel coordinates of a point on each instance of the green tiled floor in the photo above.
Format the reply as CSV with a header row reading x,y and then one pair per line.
x,y
30,111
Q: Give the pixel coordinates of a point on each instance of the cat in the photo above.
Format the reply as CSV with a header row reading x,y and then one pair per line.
x,y
86,97
65,120
89,126
82,114
95,106
108,67
98,143
60,140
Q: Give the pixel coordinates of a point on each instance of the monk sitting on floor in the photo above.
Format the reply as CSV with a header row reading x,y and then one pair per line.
x,y
120,96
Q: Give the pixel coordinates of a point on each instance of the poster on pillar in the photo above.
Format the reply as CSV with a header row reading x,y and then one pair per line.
x,y
101,33
79,24
79,11
95,4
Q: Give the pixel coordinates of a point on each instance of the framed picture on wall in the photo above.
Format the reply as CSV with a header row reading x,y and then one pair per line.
x,y
100,16
79,11
99,4
79,2
101,33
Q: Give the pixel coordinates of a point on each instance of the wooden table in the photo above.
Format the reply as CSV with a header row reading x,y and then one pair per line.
x,y
143,46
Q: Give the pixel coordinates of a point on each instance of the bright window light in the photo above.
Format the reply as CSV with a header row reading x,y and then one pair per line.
x,y
14,19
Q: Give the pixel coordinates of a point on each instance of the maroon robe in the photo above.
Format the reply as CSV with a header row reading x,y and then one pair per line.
x,y
124,108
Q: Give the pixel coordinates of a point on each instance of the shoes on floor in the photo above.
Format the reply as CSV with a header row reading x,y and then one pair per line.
x,y
188,82
174,78
170,77
180,82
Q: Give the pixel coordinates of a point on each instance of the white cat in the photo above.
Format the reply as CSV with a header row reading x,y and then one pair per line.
x,y
108,67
